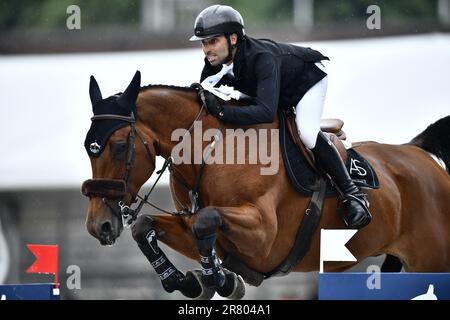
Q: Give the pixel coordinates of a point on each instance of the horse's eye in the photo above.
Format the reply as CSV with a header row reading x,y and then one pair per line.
x,y
118,150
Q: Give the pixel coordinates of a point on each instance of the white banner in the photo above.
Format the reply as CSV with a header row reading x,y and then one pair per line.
x,y
332,245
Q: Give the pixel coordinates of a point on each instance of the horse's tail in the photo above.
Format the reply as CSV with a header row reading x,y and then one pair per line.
x,y
436,140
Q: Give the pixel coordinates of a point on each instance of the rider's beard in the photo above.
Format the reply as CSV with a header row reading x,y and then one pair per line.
x,y
215,58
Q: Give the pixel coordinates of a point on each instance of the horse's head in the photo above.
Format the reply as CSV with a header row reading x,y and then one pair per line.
x,y
122,159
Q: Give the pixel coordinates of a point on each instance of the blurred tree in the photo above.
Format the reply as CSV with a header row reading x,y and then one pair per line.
x,y
393,11
52,13
263,12
272,13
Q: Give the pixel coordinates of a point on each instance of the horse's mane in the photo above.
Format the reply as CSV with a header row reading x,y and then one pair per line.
x,y
164,86
189,90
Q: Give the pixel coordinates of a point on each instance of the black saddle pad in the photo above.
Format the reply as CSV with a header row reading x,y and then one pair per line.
x,y
303,177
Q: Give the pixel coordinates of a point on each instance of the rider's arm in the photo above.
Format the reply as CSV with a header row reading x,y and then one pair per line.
x,y
267,95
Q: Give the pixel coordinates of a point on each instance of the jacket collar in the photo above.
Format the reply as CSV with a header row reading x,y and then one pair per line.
x,y
239,58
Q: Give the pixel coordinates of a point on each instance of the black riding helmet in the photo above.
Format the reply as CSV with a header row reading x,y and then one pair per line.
x,y
216,20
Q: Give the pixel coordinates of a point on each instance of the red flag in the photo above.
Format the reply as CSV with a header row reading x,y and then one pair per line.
x,y
46,259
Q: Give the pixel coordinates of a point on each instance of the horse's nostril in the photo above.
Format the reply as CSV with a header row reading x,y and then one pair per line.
x,y
106,227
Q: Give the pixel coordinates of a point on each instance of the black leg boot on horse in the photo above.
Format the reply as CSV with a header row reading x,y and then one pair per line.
x,y
356,212
171,278
226,283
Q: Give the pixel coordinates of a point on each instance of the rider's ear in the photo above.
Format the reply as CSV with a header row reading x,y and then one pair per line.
x,y
234,39
128,98
94,91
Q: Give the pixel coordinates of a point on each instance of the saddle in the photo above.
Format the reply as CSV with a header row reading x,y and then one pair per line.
x,y
299,161
331,127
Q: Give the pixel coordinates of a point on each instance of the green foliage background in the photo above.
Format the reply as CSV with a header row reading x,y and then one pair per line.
x,y
52,13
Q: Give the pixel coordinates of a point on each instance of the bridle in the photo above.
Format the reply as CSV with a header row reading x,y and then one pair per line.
x,y
103,187
110,190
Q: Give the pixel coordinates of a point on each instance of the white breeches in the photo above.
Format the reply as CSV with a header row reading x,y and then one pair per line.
x,y
309,111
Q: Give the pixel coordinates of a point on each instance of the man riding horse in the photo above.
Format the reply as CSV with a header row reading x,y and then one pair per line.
x,y
277,75
260,225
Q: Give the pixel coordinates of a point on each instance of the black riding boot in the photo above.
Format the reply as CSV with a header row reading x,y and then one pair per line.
x,y
356,213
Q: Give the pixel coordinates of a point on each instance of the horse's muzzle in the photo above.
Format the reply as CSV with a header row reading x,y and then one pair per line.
x,y
104,188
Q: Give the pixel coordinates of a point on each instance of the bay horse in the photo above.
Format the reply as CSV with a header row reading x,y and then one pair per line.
x,y
252,217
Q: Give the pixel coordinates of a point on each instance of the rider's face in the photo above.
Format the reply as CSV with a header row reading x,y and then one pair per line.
x,y
215,49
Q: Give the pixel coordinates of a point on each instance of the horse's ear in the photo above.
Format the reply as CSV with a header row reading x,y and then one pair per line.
x,y
128,98
94,91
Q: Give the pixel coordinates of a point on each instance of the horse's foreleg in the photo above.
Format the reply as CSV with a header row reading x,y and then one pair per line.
x,y
171,278
204,230
225,282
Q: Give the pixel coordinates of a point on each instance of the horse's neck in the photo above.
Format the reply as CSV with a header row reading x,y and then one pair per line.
x,y
164,110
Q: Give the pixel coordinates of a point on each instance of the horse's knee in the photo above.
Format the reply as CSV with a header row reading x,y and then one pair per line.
x,y
141,228
208,221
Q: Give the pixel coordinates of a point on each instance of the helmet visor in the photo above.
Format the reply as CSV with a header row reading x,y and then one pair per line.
x,y
199,38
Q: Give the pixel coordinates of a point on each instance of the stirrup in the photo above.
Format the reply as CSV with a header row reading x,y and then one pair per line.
x,y
362,202
361,198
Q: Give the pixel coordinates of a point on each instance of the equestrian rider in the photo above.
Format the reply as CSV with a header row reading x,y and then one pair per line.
x,y
276,75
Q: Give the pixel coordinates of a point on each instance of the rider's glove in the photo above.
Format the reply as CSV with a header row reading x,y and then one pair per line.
x,y
213,105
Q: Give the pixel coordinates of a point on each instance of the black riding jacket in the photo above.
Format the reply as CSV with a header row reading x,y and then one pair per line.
x,y
276,75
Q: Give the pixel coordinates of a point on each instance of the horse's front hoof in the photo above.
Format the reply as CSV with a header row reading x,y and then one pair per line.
x,y
234,287
206,293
